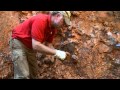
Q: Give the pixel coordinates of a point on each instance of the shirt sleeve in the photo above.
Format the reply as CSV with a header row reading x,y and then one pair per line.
x,y
38,31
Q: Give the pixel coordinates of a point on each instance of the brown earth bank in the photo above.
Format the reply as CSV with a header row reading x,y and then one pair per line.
x,y
91,42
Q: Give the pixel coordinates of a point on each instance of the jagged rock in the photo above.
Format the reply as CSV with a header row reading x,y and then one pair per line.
x,y
111,41
104,48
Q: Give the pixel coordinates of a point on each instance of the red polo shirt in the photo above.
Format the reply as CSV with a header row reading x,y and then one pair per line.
x,y
37,27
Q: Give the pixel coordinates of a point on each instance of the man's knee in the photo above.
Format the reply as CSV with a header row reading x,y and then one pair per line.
x,y
21,68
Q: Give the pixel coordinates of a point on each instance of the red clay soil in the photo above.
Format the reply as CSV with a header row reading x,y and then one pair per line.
x,y
91,42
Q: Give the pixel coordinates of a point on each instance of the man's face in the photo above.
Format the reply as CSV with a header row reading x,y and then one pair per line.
x,y
58,21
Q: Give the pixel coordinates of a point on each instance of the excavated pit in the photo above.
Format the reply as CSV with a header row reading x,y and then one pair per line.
x,y
91,43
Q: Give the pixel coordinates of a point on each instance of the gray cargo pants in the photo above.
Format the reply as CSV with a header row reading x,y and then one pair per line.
x,y
24,60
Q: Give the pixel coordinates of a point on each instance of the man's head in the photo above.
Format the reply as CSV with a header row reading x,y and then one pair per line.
x,y
60,18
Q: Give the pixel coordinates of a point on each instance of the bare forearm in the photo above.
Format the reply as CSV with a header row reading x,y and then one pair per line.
x,y
43,49
49,45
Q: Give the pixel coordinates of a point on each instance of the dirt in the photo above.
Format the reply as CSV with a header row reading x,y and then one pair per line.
x,y
91,43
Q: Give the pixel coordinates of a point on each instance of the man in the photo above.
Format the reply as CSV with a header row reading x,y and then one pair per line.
x,y
28,38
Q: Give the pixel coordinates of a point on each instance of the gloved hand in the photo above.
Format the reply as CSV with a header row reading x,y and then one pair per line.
x,y
60,54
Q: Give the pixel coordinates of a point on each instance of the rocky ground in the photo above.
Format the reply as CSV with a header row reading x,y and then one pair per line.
x,y
91,42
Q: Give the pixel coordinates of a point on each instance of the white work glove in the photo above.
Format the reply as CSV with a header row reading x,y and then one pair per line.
x,y
60,54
